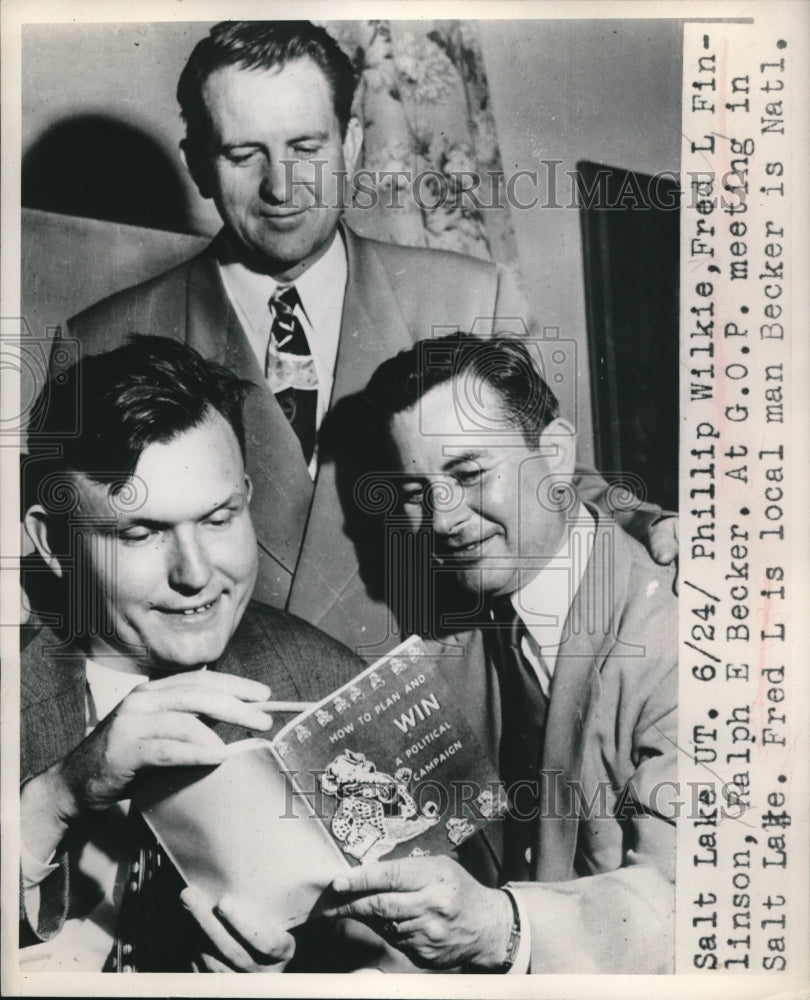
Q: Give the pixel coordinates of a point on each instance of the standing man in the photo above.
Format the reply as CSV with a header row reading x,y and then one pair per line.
x,y
160,659
570,679
290,298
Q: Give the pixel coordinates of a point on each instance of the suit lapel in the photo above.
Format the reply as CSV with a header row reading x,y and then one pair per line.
x,y
574,692
372,330
373,327
208,312
589,632
274,460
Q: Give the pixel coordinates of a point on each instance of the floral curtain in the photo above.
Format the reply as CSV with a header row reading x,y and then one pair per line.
x,y
431,171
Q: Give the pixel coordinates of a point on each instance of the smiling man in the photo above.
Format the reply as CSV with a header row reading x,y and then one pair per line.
x,y
161,657
291,298
175,571
569,679
276,179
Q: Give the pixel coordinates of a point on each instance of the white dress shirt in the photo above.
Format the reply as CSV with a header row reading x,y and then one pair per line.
x,y
544,601
321,289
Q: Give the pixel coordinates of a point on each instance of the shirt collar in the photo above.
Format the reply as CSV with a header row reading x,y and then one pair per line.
x,y
107,687
108,684
323,282
253,290
545,601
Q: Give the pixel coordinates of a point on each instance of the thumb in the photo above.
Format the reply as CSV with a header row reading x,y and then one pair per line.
x,y
664,541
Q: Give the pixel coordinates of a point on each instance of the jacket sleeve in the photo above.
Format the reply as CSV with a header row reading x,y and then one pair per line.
x,y
635,516
53,905
620,921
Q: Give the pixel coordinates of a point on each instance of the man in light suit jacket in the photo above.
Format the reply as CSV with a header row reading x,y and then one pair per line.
x,y
270,138
570,679
141,511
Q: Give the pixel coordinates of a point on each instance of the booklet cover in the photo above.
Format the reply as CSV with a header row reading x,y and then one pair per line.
x,y
385,767
389,762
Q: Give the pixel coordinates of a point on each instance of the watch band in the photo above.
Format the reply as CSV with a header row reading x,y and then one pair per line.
x,y
514,935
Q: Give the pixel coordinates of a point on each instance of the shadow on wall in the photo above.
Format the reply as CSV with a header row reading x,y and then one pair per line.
x,y
97,167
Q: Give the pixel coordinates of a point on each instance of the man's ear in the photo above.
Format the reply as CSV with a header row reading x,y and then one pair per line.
x,y
198,167
248,487
559,443
40,526
352,144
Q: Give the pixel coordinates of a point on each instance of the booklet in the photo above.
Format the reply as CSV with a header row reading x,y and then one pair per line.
x,y
385,767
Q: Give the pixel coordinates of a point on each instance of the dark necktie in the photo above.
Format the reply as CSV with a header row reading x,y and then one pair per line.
x,y
153,932
523,717
290,370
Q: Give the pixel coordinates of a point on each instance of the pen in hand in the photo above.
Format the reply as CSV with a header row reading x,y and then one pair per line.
x,y
285,706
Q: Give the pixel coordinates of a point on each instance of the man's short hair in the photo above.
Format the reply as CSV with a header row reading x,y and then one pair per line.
x,y
503,363
146,392
263,45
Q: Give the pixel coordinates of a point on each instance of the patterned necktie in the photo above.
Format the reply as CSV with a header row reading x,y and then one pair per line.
x,y
523,718
289,368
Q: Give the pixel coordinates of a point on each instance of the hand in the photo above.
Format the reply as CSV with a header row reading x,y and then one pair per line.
x,y
662,541
431,909
157,725
235,939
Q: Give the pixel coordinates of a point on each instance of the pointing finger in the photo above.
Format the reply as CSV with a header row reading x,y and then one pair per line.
x,y
230,684
198,699
384,876
380,907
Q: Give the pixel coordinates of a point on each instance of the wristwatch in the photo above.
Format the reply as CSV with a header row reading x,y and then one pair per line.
x,y
514,936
